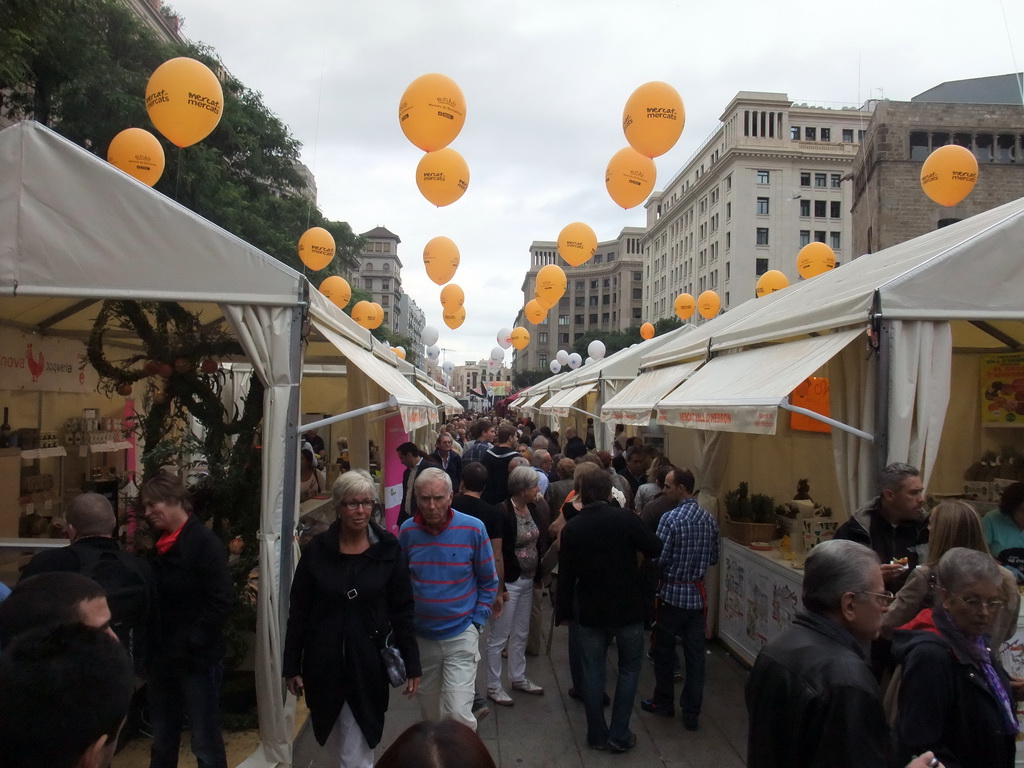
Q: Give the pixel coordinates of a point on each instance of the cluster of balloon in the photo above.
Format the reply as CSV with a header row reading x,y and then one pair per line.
x,y
949,174
630,177
685,306
184,100
647,331
708,304
316,248
431,113
400,351
771,281
337,289
575,360
520,337
368,314
504,338
551,285
441,259
596,350
138,153
452,300
814,259
577,243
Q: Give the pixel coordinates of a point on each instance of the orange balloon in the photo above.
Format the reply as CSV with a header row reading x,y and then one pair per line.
x,y
520,337
653,118
138,153
771,281
577,243
184,100
949,174
814,259
432,112
534,312
399,352
647,331
441,259
338,290
708,304
551,285
316,248
454,316
442,176
630,177
364,313
685,306
378,315
452,296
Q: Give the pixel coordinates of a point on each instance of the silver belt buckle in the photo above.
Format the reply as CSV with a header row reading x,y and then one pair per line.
x,y
352,594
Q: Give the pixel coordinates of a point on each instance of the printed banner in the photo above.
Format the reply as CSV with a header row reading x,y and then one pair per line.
x,y
394,469
44,363
1002,390
499,388
741,418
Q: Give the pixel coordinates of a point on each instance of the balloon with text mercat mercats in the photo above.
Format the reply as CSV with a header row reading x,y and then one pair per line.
x,y
138,153
815,259
442,176
520,337
551,285
454,316
432,111
949,174
647,331
452,296
316,248
577,243
534,312
708,304
184,100
684,306
337,289
441,259
653,119
630,177
771,281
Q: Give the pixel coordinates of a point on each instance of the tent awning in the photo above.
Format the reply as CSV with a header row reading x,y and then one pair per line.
x,y
517,402
562,401
444,398
531,404
633,405
741,392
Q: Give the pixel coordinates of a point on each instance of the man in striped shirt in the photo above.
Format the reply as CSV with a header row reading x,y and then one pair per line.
x,y
454,582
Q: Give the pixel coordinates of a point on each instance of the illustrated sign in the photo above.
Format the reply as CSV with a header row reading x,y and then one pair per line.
x,y
44,363
812,394
1002,390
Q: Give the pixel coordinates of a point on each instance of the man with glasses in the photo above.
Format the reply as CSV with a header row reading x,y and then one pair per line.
x,y
454,583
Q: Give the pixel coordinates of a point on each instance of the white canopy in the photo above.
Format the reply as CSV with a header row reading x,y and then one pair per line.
x,y
633,405
561,402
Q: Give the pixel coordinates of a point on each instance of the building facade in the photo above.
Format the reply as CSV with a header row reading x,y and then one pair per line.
x,y
379,272
473,377
411,323
981,114
771,178
604,294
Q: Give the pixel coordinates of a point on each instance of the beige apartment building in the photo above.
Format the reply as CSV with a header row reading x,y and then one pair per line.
x,y
379,271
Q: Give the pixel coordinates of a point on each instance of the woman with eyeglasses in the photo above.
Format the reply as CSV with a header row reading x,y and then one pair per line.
x,y
955,699
351,592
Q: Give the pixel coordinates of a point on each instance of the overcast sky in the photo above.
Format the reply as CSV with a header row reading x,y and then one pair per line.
x,y
545,82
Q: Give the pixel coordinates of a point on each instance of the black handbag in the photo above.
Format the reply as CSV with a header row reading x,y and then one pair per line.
x,y
394,664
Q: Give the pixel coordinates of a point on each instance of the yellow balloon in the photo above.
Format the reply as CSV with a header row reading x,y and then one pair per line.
x,y
338,290
520,337
398,352
814,259
452,296
316,248
551,285
685,306
184,100
653,118
138,153
770,282
630,177
577,243
432,112
534,312
442,176
647,331
454,316
441,259
949,174
708,304
378,315
364,313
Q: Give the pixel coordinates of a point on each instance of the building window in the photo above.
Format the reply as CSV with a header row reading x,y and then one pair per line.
x,y
826,134
805,178
728,211
762,236
760,266
835,209
860,136
762,206
593,285
848,135
728,270
805,207
638,277
810,134
598,258
580,285
728,182
542,358
819,208
592,301
819,236
563,338
385,284
835,240
578,320
607,283
762,177
385,301
805,237
606,299
794,132
563,319
728,240
542,337
577,336
637,313
837,180
580,301
604,317
638,293
387,318
369,283
821,180
593,318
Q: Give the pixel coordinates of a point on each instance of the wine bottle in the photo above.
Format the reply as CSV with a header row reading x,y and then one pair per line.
x,y
5,432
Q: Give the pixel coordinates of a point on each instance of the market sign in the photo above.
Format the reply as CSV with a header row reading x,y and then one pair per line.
x,y
499,388
1002,390
37,363
751,419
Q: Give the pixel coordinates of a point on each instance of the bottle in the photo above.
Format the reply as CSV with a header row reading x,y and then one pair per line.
x,y
5,432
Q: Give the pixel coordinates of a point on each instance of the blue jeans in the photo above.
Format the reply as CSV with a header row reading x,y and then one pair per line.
x,y
687,624
593,643
198,694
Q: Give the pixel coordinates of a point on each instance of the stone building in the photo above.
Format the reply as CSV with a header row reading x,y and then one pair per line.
x,y
379,271
411,323
983,114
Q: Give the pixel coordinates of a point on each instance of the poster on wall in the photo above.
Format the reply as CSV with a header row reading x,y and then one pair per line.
x,y
37,363
812,394
1002,390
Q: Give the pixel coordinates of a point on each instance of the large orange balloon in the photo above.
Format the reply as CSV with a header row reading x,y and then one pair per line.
x,y
138,153
520,337
653,118
338,290
814,259
647,331
378,315
551,285
770,282
316,248
708,304
452,296
577,243
949,174
454,316
364,313
442,176
432,112
630,177
685,306
441,259
534,312
184,100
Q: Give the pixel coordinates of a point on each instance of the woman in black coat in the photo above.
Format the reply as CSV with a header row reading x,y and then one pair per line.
x,y
351,589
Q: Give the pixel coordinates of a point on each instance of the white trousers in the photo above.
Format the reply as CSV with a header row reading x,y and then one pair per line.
x,y
513,627
346,744
449,677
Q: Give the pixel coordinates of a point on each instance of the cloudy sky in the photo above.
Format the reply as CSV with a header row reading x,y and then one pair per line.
x,y
545,82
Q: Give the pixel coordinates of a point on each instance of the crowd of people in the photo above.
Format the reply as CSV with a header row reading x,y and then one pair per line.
x,y
893,660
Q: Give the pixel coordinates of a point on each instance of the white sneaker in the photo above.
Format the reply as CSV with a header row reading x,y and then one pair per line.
x,y
528,686
500,697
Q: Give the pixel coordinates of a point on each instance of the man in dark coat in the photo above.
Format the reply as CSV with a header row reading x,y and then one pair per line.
x,y
447,459
496,460
415,461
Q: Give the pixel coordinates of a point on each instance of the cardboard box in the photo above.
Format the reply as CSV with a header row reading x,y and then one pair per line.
x,y
976,489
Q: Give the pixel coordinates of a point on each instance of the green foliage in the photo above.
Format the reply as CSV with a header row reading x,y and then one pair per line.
x,y
524,379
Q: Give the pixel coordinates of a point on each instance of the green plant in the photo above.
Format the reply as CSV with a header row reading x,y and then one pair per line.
x,y
737,504
762,508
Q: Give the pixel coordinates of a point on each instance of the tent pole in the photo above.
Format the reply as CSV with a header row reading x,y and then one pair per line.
x,y
585,413
344,416
291,459
787,406
884,331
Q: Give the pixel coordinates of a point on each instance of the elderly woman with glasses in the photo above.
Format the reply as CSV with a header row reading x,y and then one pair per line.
x,y
350,593
955,699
